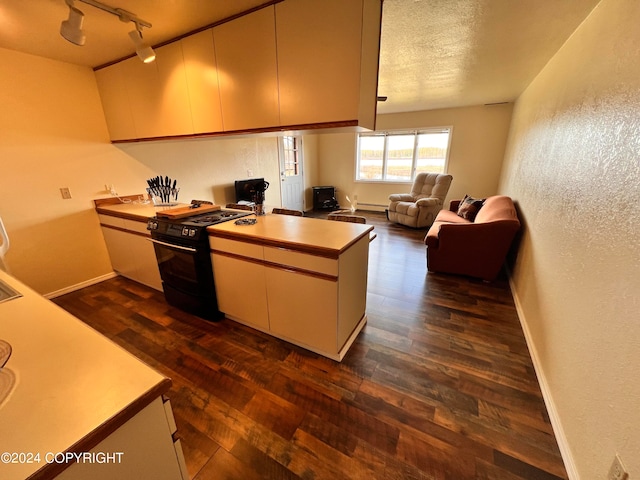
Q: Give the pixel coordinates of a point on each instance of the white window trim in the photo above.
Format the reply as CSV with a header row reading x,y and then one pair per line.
x,y
386,133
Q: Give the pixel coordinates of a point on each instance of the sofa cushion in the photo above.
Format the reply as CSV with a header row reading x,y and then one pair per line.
x,y
469,207
497,208
448,216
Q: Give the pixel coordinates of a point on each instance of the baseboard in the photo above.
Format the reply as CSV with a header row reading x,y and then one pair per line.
x,y
80,285
554,417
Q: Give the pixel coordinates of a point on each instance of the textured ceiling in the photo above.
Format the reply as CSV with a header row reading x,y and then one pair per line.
x,y
451,53
434,53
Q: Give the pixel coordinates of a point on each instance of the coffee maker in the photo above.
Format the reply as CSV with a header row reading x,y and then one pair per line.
x,y
258,196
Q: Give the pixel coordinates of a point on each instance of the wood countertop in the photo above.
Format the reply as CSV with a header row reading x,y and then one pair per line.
x,y
73,387
131,211
310,235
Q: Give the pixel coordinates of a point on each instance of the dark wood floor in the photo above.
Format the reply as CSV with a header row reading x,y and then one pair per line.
x,y
439,385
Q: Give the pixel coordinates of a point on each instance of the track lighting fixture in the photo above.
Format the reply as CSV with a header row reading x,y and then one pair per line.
x,y
71,29
144,51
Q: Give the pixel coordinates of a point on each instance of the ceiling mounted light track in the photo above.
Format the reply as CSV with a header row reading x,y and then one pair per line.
x,y
71,29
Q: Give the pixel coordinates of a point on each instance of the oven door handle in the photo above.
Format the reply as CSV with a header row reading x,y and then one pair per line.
x,y
171,245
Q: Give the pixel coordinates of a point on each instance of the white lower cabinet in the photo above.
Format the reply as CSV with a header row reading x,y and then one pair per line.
x,y
305,299
303,308
132,254
240,289
141,448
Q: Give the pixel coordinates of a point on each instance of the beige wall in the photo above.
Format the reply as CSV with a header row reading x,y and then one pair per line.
x,y
207,168
573,167
53,134
475,157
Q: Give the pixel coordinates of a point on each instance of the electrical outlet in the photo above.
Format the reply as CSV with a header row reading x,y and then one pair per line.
x,y
249,173
617,470
65,192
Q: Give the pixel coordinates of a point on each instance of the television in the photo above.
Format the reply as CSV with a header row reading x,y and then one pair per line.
x,y
246,189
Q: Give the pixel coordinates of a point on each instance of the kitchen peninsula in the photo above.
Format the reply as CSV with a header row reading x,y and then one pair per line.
x,y
303,280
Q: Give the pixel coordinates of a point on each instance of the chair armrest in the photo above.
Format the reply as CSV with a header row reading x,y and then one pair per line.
x,y
427,202
401,197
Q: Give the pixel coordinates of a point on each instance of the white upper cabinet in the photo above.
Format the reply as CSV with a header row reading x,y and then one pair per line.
x,y
112,85
247,71
158,93
319,60
295,63
202,82
146,100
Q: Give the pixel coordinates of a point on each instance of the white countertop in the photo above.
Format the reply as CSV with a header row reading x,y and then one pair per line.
x,y
71,381
297,233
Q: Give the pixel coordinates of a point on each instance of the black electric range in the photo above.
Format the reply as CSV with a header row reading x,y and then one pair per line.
x,y
184,260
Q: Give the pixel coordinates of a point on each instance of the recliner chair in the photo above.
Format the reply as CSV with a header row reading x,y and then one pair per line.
x,y
419,208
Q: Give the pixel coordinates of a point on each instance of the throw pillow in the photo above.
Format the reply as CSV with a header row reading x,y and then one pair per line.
x,y
469,207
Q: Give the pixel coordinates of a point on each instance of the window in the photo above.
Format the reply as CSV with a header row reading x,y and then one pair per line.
x,y
291,154
398,156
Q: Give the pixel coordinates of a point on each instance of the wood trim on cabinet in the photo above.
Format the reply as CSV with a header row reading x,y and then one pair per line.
x,y
263,242
308,249
51,470
103,202
278,266
327,127
126,216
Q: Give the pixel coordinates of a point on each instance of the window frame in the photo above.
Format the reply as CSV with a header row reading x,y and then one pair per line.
x,y
387,133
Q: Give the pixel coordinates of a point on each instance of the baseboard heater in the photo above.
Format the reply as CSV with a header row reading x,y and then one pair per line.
x,y
371,206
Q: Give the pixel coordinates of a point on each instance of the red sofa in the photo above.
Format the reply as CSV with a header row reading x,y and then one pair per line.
x,y
475,248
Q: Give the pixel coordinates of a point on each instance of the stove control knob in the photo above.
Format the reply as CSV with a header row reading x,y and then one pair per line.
x,y
152,225
192,232
185,232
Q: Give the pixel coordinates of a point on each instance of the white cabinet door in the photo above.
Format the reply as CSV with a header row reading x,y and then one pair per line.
x,y
318,60
142,255
328,60
202,81
141,448
131,254
241,290
112,85
247,69
158,93
303,309
145,263
119,252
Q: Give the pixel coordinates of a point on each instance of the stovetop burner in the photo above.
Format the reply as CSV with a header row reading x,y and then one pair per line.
x,y
213,218
191,228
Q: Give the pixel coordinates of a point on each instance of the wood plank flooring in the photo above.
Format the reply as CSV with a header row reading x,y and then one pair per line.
x,y
439,385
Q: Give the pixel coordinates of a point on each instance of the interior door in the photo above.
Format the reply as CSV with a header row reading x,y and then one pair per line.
x,y
291,175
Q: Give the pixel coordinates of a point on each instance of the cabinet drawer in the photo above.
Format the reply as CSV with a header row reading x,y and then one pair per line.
x,y
111,221
138,227
304,261
238,248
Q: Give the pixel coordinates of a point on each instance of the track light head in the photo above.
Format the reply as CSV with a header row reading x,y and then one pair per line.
x,y
144,51
71,28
